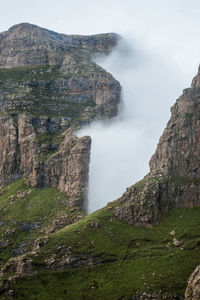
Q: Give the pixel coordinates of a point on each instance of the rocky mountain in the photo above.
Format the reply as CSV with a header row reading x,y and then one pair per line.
x,y
49,87
174,178
30,45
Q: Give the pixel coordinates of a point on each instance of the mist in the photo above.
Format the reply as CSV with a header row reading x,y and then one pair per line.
x,y
121,148
156,59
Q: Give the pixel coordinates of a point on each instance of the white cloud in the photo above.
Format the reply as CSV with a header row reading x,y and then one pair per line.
x,y
121,150
162,57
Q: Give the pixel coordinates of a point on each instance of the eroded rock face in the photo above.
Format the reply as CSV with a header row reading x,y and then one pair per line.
x,y
178,150
193,288
67,169
20,265
26,151
27,45
174,178
49,87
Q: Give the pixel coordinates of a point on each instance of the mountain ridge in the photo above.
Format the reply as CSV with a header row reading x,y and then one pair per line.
x,y
143,245
39,45
50,87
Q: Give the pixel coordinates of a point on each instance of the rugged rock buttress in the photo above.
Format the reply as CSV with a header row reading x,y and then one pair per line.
x,y
49,87
174,178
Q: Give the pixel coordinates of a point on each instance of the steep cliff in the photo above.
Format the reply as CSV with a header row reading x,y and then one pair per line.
x,y
49,84
42,255
174,178
27,45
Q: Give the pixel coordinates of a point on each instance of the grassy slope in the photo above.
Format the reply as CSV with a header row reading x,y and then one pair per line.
x,y
130,259
40,207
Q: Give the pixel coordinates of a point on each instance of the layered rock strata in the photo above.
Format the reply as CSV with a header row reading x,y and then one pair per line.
x,y
174,178
27,45
48,154
49,87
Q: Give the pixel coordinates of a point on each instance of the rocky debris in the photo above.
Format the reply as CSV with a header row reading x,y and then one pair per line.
x,y
4,243
9,231
20,265
155,296
95,225
173,232
23,194
60,223
177,243
23,248
68,261
23,264
28,226
193,287
174,178
39,243
19,195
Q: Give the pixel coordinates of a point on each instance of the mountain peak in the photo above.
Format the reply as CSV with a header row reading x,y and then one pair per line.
x,y
26,44
196,79
23,25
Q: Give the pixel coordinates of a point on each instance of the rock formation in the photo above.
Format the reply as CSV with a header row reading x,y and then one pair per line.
x,y
28,45
174,178
193,288
49,87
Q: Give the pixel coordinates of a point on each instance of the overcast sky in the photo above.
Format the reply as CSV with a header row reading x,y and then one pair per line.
x,y
162,37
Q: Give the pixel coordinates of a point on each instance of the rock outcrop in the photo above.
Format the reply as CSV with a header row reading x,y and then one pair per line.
x,y
193,288
174,178
49,155
27,45
49,87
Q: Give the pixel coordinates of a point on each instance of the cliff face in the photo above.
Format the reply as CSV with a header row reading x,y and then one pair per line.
x,y
41,107
174,178
177,153
27,45
51,158
49,84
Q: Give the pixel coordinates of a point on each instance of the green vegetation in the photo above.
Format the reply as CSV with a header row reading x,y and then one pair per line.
x,y
51,141
100,256
49,138
44,91
27,213
184,180
35,206
24,74
124,258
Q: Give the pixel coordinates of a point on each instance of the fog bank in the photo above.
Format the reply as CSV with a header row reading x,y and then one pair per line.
x,y
121,148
